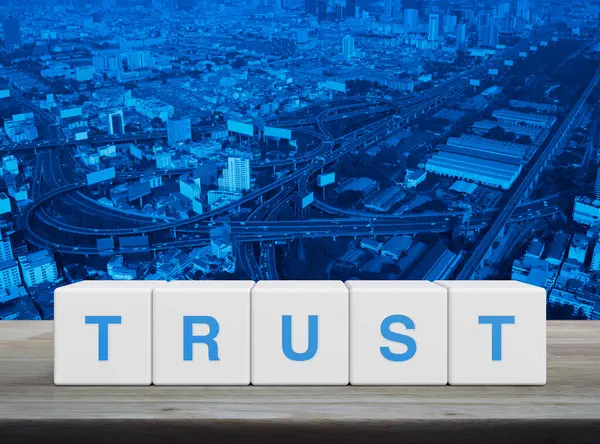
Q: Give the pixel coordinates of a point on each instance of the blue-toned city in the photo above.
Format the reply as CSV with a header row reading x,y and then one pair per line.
x,y
299,139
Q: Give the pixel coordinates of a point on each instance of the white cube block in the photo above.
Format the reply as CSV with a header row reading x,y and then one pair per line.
x,y
300,333
398,333
201,333
103,333
497,333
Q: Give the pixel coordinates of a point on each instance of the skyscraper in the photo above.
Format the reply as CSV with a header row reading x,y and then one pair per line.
x,y
494,35
597,185
461,36
387,8
5,248
12,34
310,7
236,177
321,10
523,9
449,23
186,4
397,10
348,46
483,27
503,9
350,8
411,19
434,27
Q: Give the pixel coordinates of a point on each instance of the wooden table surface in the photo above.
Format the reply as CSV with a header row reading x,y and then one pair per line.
x,y
572,393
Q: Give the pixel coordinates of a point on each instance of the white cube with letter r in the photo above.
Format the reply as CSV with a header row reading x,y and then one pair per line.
x,y
201,333
103,333
497,333
398,333
300,333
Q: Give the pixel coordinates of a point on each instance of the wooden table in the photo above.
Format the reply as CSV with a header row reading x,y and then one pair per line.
x,y
566,409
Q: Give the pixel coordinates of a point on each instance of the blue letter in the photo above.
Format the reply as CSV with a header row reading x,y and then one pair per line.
x,y
388,334
313,338
103,322
189,339
496,322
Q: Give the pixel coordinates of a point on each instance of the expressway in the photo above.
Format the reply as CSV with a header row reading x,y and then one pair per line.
x,y
318,229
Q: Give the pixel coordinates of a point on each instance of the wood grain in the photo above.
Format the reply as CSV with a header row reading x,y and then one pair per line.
x,y
572,392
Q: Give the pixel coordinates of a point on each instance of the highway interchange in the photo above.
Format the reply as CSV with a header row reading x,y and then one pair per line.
x,y
262,225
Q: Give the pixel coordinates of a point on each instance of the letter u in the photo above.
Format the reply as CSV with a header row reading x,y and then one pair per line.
x,y
313,338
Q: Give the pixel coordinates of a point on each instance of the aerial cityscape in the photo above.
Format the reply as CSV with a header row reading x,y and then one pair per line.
x,y
299,139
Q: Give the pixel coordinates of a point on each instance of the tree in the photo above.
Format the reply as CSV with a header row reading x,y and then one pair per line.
x,y
157,123
81,99
498,133
525,140
130,85
561,312
238,63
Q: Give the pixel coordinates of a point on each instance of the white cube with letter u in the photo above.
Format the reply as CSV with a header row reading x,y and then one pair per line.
x,y
300,333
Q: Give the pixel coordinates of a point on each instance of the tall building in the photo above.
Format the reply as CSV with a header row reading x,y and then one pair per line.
x,y
186,4
348,46
179,130
190,187
461,36
494,35
523,9
9,274
411,19
595,264
387,8
12,34
38,267
115,122
434,27
350,8
163,160
597,184
310,7
5,206
321,10
20,129
397,10
236,177
5,248
449,23
483,27
503,9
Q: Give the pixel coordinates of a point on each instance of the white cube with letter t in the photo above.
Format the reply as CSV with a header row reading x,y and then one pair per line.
x,y
497,333
103,333
201,333
398,332
300,333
